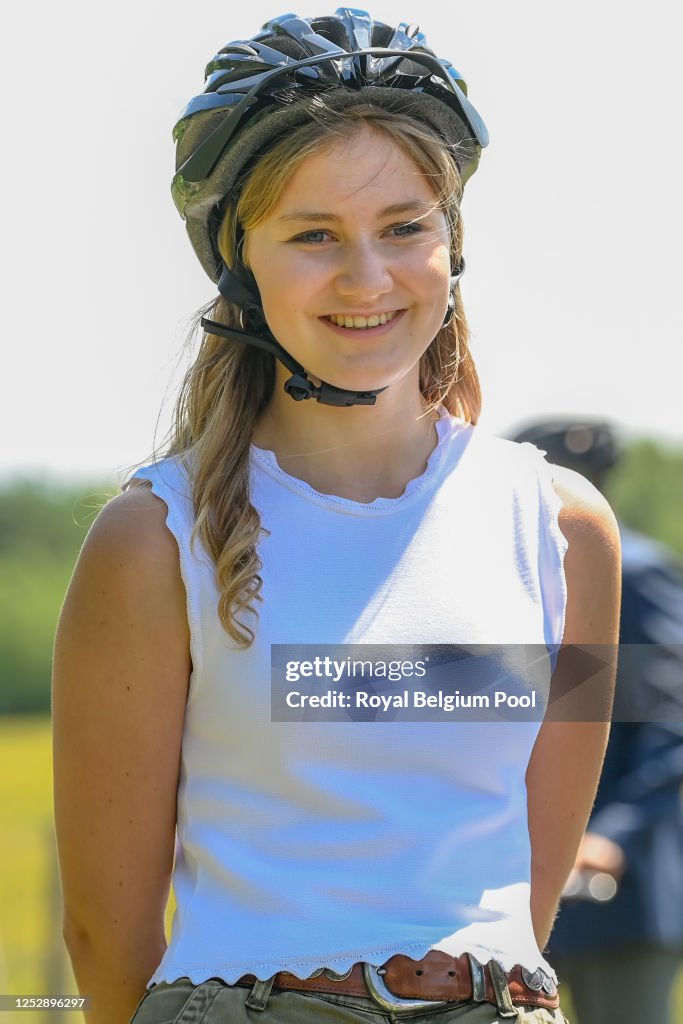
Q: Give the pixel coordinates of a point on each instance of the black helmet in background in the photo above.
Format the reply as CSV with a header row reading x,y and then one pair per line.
x,y
585,444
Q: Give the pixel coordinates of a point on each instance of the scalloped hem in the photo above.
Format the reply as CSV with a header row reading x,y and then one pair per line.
x,y
198,973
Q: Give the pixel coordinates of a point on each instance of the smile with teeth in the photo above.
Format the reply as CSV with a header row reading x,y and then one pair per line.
x,y
360,322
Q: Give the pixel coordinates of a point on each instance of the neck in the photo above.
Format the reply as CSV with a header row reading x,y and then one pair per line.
x,y
358,452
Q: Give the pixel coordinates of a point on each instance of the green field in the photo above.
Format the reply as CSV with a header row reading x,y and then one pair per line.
x,y
32,956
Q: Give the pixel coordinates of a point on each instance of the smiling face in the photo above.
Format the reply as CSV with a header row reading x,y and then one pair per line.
x,y
353,264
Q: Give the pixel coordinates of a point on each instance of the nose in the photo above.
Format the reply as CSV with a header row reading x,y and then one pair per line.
x,y
365,273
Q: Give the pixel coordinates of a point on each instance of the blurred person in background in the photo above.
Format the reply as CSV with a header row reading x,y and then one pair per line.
x,y
618,939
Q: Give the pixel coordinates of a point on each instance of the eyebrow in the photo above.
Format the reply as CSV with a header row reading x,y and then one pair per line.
x,y
319,216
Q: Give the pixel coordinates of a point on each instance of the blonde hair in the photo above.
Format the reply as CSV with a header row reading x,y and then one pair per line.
x,y
229,384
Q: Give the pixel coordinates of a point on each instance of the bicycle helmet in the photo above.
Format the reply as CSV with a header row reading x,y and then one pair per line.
x,y
253,94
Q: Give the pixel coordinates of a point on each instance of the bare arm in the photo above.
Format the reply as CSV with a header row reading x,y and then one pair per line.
x,y
121,671
564,769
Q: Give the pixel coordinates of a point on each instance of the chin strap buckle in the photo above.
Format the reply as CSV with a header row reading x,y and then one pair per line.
x,y
299,387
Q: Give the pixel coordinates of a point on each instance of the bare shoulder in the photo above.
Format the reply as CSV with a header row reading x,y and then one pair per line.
x,y
135,523
593,560
128,571
585,511
129,566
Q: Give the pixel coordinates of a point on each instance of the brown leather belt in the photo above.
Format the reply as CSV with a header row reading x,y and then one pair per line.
x,y
436,977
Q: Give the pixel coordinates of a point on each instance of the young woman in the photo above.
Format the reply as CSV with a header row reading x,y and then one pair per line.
x,y
325,488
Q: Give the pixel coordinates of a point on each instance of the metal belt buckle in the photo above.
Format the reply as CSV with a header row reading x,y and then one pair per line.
x,y
381,994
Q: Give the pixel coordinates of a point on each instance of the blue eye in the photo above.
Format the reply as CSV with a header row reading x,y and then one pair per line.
x,y
411,226
308,237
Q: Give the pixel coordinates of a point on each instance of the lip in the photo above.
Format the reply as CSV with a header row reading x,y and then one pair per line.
x,y
363,332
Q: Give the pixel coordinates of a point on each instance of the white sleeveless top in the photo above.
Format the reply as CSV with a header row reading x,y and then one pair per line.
x,y
318,844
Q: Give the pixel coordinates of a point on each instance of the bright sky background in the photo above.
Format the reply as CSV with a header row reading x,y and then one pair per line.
x,y
573,222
